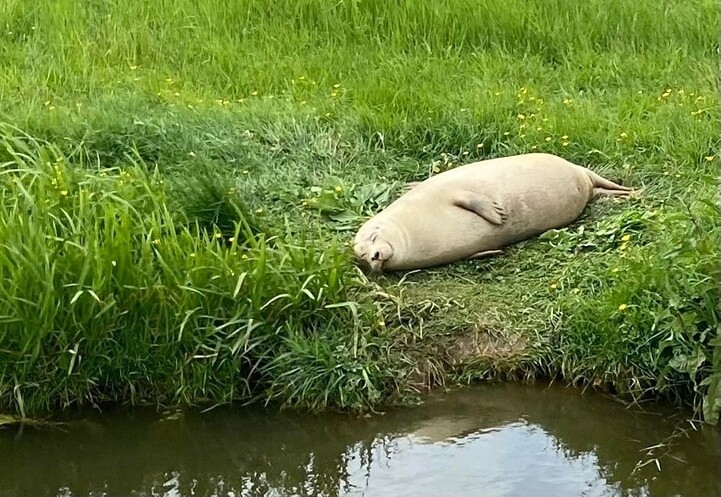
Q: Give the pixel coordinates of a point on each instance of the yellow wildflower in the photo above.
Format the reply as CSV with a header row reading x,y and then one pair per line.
x,y
338,189
64,193
622,307
625,238
709,158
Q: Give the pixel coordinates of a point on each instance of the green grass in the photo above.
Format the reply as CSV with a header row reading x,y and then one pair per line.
x,y
140,138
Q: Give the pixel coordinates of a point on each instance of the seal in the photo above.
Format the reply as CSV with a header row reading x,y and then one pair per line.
x,y
475,210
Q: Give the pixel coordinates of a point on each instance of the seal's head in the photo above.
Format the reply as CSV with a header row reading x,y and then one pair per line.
x,y
373,251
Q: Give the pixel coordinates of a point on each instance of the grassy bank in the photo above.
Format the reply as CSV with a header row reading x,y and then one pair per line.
x,y
180,183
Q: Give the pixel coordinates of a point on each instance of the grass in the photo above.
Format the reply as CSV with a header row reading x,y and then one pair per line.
x,y
180,183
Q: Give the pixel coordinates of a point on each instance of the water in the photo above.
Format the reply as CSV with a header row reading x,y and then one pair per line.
x,y
502,440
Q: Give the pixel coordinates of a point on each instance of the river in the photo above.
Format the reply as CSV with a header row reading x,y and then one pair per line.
x,y
490,440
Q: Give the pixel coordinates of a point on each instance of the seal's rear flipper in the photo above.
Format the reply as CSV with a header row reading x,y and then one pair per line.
x,y
485,253
491,211
599,182
597,192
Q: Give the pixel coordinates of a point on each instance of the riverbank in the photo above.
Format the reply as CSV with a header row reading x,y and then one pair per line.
x,y
180,188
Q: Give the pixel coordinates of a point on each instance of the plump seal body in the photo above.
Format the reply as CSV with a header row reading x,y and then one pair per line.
x,y
476,209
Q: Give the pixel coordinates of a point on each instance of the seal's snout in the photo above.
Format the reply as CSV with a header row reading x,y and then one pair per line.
x,y
373,253
376,261
379,254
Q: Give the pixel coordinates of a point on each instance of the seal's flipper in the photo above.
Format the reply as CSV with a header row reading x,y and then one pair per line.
x,y
599,192
485,253
603,183
410,186
491,211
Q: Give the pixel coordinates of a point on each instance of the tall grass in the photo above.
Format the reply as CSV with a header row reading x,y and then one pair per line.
x,y
106,294
180,179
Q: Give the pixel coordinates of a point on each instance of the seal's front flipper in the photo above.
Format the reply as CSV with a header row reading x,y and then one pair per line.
x,y
491,211
410,186
485,253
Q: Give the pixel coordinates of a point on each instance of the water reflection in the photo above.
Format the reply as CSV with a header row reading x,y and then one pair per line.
x,y
492,440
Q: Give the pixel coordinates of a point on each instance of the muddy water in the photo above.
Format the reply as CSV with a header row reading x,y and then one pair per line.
x,y
492,440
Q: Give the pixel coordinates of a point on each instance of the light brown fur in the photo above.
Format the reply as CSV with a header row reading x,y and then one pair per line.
x,y
476,209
